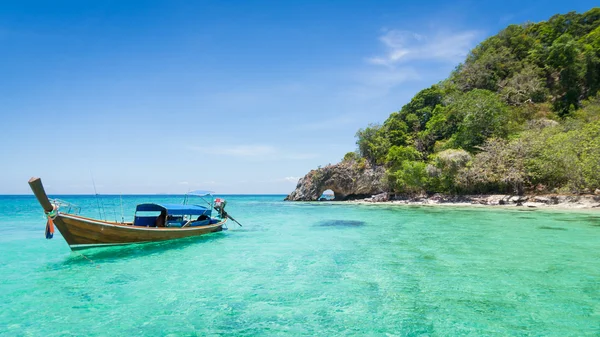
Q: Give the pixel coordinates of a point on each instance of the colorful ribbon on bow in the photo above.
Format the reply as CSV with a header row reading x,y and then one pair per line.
x,y
50,224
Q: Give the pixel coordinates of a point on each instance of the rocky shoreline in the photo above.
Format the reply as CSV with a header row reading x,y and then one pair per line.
x,y
364,185
588,201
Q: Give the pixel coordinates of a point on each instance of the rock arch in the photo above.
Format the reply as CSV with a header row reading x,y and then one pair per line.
x,y
337,195
346,180
327,195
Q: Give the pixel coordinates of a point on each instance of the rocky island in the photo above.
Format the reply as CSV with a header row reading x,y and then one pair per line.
x,y
518,123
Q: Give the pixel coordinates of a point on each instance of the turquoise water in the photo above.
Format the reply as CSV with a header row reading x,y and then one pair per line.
x,y
316,269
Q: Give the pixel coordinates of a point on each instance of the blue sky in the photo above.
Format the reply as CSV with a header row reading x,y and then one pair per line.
x,y
237,97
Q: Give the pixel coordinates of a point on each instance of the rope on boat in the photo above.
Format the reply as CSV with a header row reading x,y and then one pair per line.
x,y
50,224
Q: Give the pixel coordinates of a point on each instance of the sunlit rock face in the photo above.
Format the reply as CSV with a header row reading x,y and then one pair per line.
x,y
346,180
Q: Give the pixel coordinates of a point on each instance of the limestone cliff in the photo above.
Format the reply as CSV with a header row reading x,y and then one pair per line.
x,y
346,179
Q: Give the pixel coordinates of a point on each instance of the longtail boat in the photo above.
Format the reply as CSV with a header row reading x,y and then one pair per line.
x,y
152,222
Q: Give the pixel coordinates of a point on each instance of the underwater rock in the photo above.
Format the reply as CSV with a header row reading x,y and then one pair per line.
x,y
552,228
340,223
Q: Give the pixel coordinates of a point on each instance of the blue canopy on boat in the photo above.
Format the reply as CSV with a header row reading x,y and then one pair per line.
x,y
173,209
200,193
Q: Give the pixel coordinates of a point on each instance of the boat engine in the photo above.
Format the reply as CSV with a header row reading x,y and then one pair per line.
x,y
219,206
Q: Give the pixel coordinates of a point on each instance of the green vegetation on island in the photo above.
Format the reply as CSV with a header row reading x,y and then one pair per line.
x,y
520,115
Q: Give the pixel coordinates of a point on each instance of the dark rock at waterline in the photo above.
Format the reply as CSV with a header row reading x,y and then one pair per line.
x,y
381,197
340,223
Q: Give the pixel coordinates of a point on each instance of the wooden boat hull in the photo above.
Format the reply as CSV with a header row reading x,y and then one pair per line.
x,y
81,232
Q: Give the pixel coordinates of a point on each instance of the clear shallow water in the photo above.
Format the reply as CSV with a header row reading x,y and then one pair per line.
x,y
309,269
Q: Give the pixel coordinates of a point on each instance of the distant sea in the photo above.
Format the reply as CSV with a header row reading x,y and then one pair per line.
x,y
308,269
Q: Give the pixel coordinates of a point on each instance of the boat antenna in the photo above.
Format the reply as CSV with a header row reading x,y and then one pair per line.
x,y
122,216
95,192
114,211
186,196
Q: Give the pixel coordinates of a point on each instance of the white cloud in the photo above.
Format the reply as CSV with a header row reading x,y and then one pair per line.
x,y
330,123
246,150
299,156
390,78
376,83
262,152
287,180
239,150
196,184
403,46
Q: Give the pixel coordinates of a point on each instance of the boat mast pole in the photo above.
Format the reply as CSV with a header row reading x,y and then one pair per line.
x,y
97,200
122,216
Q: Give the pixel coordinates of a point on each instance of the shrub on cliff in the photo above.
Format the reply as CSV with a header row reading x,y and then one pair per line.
x,y
480,115
499,167
567,159
410,178
372,143
351,157
444,168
